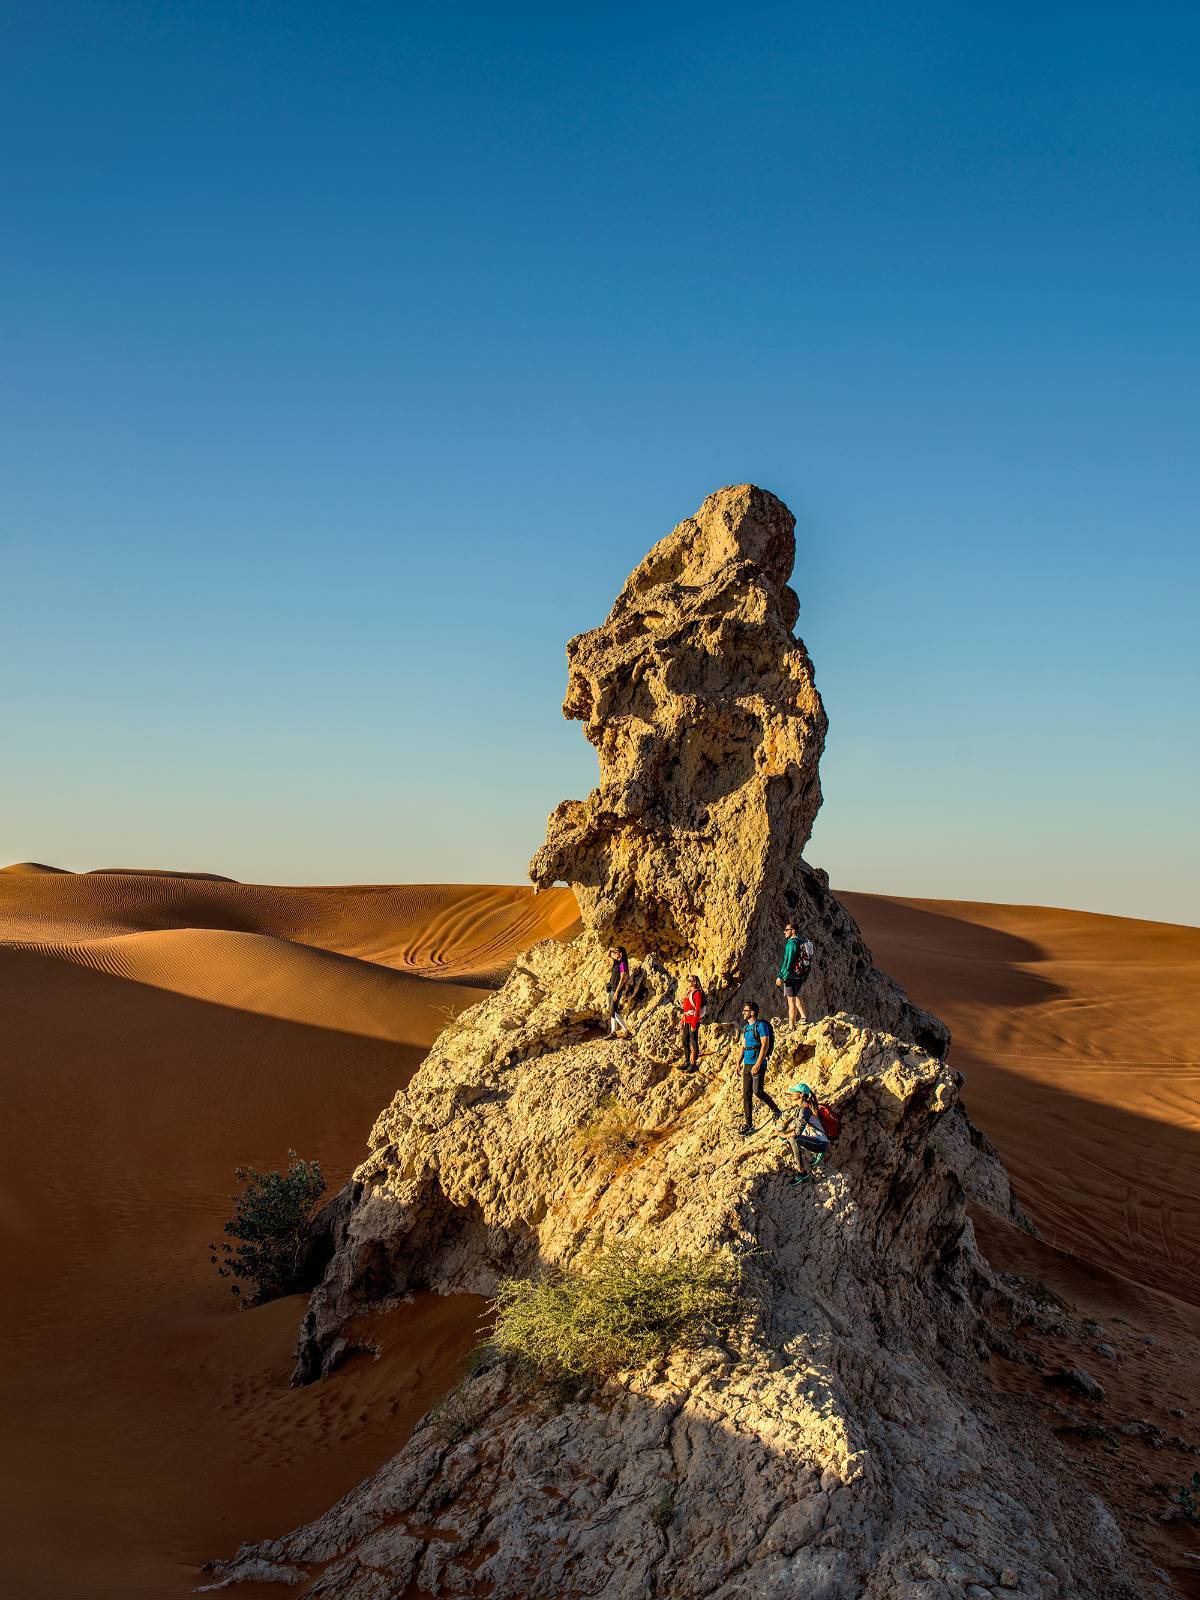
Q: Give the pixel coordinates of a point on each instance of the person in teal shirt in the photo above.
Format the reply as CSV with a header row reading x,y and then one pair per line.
x,y
808,1133
794,970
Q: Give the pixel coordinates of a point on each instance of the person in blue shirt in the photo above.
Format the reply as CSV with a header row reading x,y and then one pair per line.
x,y
757,1040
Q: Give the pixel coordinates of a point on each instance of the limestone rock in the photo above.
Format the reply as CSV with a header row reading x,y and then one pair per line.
x,y
705,716
841,1442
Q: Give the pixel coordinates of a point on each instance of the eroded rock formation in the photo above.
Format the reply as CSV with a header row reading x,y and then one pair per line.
x,y
842,1442
705,716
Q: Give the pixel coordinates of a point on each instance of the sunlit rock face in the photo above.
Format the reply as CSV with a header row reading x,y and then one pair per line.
x,y
704,713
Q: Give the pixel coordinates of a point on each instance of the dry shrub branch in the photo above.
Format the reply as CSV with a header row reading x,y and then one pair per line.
x,y
621,1308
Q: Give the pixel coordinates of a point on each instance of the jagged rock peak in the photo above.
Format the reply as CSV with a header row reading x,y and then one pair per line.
x,y
708,726
705,716
740,524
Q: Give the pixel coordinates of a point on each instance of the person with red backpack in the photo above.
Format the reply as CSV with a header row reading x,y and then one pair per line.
x,y
814,1129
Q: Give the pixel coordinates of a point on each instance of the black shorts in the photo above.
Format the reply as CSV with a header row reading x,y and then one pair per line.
x,y
793,986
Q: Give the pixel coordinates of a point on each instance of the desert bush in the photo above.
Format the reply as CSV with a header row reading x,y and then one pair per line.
x,y
452,1023
270,1226
1088,1431
1036,1290
663,1509
619,1308
611,1134
1187,1498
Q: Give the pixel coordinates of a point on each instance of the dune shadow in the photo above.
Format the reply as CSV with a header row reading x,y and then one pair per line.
x,y
1101,1179
915,945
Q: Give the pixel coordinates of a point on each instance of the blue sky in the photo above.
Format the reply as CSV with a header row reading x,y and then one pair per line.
x,y
353,354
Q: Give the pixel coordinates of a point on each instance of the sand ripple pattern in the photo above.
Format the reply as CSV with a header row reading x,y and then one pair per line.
x,y
1077,1035
464,933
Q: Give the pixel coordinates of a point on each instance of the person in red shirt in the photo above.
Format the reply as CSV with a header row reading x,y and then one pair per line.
x,y
689,1028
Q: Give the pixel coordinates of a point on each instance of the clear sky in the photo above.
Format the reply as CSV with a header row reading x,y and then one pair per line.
x,y
353,353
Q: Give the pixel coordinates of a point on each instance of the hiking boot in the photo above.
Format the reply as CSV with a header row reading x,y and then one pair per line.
x,y
746,1131
801,1177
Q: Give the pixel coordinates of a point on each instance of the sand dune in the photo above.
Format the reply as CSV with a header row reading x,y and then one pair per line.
x,y
155,872
157,1033
464,932
273,978
159,1030
1078,1038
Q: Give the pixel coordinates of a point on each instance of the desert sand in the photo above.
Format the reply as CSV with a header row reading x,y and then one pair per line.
x,y
160,1029
1077,1035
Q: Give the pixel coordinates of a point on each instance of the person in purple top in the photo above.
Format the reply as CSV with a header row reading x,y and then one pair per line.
x,y
618,984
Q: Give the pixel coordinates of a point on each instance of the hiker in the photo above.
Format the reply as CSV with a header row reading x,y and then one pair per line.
x,y
618,984
689,1027
793,971
808,1133
757,1040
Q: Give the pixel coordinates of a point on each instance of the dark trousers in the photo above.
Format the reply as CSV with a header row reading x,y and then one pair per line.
x,y
752,1085
805,1141
691,1046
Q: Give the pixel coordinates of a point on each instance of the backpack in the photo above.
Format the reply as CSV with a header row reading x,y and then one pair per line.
x,y
830,1121
802,960
760,1028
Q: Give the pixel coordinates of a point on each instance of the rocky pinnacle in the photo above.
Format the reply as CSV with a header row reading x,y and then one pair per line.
x,y
704,713
843,1440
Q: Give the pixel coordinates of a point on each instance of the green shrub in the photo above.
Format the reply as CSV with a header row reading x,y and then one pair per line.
x,y
270,1224
1042,1295
663,1509
611,1133
1187,1498
1089,1431
620,1308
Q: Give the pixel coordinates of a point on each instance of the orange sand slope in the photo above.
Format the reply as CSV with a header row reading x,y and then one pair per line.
x,y
1078,1036
465,932
159,1030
